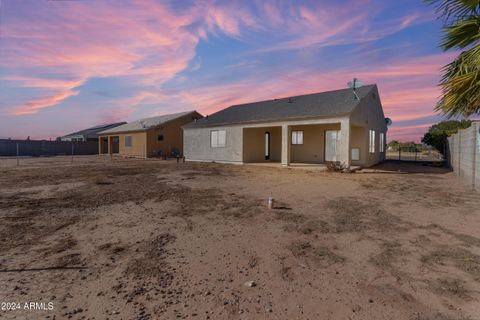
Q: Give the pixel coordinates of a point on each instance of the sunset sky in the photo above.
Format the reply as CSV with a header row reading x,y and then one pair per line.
x,y
68,65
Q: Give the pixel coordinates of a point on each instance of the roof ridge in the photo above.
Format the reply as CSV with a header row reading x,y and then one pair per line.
x,y
300,95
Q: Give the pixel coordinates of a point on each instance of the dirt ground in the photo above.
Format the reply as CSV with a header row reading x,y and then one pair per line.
x,y
151,239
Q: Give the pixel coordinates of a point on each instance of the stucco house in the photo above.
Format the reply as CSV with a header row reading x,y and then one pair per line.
x,y
149,137
336,126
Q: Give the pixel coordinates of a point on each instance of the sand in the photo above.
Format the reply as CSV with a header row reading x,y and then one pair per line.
x,y
152,239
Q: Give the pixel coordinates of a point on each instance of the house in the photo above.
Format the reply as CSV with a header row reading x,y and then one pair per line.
x,y
90,134
149,137
340,126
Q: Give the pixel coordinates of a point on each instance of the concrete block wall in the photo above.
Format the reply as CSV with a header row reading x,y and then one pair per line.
x,y
464,154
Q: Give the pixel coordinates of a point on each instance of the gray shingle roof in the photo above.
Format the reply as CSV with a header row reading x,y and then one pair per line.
x,y
92,132
146,123
323,104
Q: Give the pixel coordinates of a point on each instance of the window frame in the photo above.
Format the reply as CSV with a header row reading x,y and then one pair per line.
x,y
371,141
129,138
295,137
382,142
160,137
215,138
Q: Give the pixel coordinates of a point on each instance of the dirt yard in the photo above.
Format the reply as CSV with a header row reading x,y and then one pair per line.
x,y
148,239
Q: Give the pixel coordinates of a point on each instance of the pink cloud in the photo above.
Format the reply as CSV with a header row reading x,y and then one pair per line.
x,y
149,43
32,106
115,41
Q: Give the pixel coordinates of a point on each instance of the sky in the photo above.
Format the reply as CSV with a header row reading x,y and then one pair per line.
x,y
66,65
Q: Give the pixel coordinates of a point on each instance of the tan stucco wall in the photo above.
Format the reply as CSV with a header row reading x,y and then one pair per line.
x,y
138,147
172,136
254,144
369,115
359,139
146,144
313,148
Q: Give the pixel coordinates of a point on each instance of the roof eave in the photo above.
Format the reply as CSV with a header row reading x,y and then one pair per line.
x,y
192,126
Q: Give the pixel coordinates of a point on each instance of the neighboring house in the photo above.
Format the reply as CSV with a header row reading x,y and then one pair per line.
x,y
333,126
150,137
90,134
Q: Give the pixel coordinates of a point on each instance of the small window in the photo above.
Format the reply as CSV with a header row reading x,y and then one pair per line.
x,y
382,142
160,137
218,138
371,143
128,141
297,137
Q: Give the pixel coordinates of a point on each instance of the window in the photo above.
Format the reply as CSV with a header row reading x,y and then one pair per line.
x,y
297,137
128,141
355,154
382,142
371,145
160,137
218,138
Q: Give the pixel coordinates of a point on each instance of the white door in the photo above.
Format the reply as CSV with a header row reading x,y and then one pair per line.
x,y
332,145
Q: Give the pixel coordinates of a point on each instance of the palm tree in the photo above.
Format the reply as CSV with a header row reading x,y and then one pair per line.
x,y
460,80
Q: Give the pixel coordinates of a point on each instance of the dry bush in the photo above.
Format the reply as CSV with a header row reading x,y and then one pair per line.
x,y
337,167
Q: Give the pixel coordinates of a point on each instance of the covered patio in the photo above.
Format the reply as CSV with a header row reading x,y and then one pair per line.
x,y
298,144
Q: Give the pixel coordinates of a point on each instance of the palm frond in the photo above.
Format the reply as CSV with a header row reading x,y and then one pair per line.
x,y
452,10
462,33
461,86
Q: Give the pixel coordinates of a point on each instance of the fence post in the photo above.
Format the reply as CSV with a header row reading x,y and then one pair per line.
x,y
72,151
18,154
399,153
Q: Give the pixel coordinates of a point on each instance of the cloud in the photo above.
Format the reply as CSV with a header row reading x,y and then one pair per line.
x,y
148,44
33,105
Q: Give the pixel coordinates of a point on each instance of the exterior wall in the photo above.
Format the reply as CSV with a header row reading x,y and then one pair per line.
x,y
464,154
138,148
359,139
369,115
139,145
197,145
146,144
313,148
172,137
254,144
197,140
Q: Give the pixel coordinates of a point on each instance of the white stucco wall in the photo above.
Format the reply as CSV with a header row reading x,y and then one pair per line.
x,y
464,153
197,147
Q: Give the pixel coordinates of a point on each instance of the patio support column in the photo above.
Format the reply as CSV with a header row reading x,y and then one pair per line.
x,y
345,132
286,136
100,144
109,144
